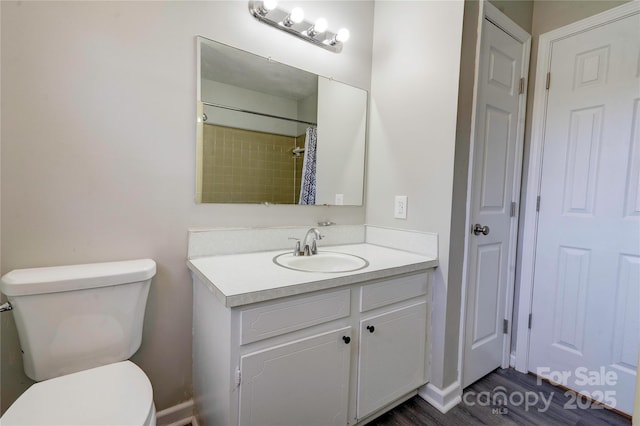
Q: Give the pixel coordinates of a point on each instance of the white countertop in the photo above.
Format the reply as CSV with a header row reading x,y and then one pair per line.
x,y
241,279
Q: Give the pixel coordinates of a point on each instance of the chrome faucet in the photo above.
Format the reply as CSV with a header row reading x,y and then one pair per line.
x,y
312,249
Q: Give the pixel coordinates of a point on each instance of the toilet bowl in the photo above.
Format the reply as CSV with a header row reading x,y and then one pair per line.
x,y
78,326
114,394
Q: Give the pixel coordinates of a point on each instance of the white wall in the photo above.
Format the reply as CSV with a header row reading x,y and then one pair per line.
x,y
98,147
414,88
0,193
307,111
250,100
519,11
342,127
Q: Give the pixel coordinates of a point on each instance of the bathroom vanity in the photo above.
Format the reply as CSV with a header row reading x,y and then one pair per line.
x,y
275,346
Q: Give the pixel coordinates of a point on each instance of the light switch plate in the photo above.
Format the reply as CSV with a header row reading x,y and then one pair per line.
x,y
400,207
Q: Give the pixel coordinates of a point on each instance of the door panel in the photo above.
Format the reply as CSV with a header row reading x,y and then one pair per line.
x,y
585,132
486,300
586,286
570,299
626,322
502,69
494,160
494,165
632,195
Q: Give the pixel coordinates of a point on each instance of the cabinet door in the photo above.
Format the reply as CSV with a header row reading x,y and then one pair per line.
x,y
392,356
304,382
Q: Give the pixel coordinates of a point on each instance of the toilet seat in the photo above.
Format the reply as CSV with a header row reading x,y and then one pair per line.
x,y
113,394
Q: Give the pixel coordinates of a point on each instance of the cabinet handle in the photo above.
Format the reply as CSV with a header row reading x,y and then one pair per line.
x,y
346,339
371,328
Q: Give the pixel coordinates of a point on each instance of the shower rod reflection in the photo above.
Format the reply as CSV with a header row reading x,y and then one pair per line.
x,y
258,113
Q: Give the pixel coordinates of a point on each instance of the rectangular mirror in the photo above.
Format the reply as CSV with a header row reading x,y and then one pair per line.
x,y
271,133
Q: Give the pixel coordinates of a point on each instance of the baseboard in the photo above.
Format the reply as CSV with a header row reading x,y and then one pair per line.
x,y
442,399
179,415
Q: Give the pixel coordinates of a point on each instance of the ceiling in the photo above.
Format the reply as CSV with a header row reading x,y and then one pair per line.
x,y
228,65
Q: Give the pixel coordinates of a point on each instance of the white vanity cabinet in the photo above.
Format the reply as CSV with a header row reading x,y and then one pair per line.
x,y
331,357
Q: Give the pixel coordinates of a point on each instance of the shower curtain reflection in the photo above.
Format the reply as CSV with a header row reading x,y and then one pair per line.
x,y
308,184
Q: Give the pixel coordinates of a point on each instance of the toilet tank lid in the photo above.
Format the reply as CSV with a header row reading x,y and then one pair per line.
x,y
23,282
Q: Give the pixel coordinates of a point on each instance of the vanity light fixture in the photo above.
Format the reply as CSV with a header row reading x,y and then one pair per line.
x,y
268,12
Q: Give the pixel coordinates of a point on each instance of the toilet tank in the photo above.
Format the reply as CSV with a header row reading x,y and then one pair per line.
x,y
72,318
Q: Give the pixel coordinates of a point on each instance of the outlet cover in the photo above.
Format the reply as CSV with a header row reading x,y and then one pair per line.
x,y
339,199
400,207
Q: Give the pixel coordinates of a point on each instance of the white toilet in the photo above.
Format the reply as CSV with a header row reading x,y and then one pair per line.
x,y
77,326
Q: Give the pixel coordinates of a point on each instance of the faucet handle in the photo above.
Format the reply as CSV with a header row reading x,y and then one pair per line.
x,y
296,250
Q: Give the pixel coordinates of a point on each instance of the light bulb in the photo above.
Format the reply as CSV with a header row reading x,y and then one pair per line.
x,y
318,28
269,4
320,25
296,15
266,7
343,35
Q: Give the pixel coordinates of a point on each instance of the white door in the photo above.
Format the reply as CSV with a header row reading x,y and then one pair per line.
x,y
392,353
586,300
495,186
305,382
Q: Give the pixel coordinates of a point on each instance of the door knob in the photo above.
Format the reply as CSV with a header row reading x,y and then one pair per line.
x,y
346,339
479,229
371,328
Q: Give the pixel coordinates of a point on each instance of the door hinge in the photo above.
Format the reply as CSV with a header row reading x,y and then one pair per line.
x,y
548,81
238,377
505,326
513,209
538,204
521,86
530,316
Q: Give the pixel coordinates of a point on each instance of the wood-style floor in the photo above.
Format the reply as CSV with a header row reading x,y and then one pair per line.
x,y
479,409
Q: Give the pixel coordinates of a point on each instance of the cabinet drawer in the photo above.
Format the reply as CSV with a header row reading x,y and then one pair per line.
x,y
284,317
392,290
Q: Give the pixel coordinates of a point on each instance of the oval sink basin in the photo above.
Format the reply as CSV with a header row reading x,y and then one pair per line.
x,y
325,261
